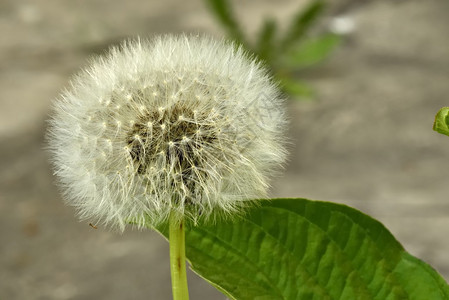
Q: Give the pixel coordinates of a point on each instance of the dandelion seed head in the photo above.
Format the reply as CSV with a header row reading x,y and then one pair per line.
x,y
178,124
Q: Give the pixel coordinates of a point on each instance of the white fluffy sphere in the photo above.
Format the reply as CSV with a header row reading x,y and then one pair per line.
x,y
178,124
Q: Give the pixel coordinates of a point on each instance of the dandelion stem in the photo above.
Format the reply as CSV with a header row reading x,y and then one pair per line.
x,y
178,258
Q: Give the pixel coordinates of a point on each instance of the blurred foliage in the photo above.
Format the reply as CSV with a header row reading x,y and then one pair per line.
x,y
288,53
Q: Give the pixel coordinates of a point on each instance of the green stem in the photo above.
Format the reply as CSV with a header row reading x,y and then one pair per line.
x,y
178,258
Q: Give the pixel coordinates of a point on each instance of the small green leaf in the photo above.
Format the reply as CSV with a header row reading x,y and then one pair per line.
x,y
302,22
265,45
223,11
302,249
441,123
296,88
311,51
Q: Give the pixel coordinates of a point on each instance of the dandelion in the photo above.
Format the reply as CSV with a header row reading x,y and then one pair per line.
x,y
183,125
170,129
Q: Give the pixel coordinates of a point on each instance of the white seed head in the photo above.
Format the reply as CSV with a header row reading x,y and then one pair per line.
x,y
203,152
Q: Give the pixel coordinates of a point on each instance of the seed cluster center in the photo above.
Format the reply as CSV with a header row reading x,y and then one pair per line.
x,y
172,138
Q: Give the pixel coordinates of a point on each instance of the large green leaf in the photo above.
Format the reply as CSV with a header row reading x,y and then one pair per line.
x,y
302,249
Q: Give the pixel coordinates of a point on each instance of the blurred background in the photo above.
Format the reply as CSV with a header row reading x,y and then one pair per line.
x,y
365,139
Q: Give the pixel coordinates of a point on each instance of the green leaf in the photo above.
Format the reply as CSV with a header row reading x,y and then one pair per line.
x,y
441,123
311,51
302,22
302,249
223,12
296,88
265,45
